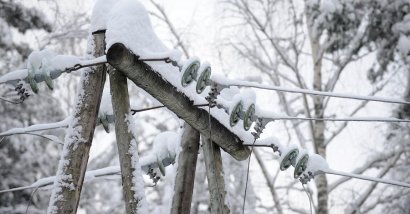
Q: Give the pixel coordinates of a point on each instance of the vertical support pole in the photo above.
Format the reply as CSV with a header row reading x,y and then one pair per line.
x,y
185,177
214,173
121,106
73,163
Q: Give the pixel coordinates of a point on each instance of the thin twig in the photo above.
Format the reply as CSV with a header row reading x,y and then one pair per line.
x,y
10,101
31,199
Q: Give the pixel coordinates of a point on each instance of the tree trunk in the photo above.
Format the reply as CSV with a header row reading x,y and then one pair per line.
x,y
214,173
319,126
185,177
148,79
121,108
74,158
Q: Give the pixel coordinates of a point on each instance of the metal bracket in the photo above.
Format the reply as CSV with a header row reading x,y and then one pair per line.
x,y
305,178
260,126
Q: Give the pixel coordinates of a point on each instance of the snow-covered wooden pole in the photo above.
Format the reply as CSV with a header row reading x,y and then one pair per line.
x,y
185,177
214,173
73,163
145,77
121,108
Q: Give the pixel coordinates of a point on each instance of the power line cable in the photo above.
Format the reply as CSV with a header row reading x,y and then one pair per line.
x,y
313,92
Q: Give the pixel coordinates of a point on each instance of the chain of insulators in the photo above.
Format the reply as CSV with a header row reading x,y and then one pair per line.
x,y
31,80
190,73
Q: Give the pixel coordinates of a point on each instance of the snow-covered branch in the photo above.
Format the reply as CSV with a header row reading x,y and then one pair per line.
x,y
148,162
38,127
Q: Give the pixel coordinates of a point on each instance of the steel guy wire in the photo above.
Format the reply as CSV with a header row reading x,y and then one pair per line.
x,y
247,177
260,125
310,198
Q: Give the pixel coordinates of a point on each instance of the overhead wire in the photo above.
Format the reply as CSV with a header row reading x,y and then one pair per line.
x,y
368,178
247,177
352,119
289,90
310,198
317,93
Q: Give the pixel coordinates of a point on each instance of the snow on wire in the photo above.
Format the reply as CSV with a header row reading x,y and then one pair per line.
x,y
240,83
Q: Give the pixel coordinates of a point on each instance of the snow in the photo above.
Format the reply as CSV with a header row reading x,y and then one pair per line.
x,y
61,62
129,24
36,58
220,79
14,75
316,164
166,144
73,136
137,179
228,93
106,104
284,150
99,15
99,59
248,98
47,61
306,91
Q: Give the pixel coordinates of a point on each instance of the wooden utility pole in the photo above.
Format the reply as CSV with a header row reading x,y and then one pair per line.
x,y
145,77
73,163
121,108
214,173
185,177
